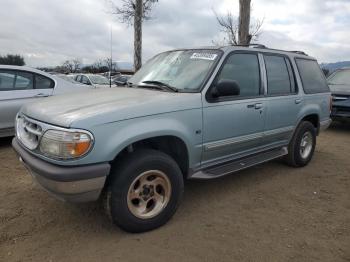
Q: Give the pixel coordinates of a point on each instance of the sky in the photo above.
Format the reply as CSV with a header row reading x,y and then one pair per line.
x,y
48,32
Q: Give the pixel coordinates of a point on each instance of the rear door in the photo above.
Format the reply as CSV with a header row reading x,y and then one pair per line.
x,y
283,100
18,87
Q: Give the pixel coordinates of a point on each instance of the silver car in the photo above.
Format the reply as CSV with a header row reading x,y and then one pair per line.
x,y
20,85
94,80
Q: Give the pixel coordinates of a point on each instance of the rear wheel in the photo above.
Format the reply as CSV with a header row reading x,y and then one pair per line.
x,y
302,146
145,191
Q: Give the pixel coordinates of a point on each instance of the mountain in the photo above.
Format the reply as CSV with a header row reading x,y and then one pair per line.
x,y
334,66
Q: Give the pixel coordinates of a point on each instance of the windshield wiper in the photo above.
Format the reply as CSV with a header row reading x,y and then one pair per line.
x,y
160,84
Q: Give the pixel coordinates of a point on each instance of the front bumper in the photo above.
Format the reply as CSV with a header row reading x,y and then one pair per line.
x,y
340,112
68,183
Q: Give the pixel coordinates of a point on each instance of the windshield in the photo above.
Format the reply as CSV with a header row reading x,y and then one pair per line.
x,y
185,69
99,80
341,77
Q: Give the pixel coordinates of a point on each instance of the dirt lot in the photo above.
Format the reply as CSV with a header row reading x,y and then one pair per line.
x,y
267,213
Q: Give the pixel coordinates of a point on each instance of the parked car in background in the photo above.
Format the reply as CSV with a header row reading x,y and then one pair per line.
x,y
69,78
94,80
186,114
339,84
121,80
20,85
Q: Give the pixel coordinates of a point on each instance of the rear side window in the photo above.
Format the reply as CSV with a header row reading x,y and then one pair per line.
x,y
15,80
42,82
278,75
311,76
244,69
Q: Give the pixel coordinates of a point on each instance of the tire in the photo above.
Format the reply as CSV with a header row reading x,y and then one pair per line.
x,y
149,173
298,155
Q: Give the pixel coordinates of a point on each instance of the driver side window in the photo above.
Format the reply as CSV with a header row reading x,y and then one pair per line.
x,y
244,69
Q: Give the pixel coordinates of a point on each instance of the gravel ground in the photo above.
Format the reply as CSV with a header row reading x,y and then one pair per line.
x,y
271,212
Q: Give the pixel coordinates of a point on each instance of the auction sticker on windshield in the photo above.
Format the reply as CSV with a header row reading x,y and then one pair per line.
x,y
205,56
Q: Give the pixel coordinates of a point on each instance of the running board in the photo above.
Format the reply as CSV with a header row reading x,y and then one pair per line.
x,y
234,166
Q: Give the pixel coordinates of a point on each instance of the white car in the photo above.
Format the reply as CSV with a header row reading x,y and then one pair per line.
x,y
94,80
20,85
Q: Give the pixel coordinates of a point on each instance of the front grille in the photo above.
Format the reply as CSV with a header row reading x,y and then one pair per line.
x,y
340,97
28,132
339,109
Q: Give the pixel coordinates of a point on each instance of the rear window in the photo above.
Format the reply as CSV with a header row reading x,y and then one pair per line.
x,y
311,76
278,76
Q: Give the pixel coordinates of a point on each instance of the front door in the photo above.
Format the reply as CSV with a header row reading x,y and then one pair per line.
x,y
233,126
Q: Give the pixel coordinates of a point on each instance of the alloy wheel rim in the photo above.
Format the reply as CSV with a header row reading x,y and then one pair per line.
x,y
149,194
306,145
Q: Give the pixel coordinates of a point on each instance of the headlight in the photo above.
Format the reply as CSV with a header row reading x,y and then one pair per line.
x,y
65,144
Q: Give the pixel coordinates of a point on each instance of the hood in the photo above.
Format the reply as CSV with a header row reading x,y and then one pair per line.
x,y
339,89
104,105
103,86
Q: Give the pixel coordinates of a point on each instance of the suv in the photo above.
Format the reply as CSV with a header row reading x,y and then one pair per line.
x,y
339,83
186,114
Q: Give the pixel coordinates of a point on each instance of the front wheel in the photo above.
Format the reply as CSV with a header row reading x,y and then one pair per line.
x,y
302,146
145,191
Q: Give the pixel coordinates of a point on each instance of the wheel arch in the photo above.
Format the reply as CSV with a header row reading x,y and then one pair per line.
x,y
173,145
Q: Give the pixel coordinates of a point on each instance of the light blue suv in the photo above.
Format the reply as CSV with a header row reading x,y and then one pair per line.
x,y
187,114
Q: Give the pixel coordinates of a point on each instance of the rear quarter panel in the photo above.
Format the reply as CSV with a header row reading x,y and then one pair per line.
x,y
316,104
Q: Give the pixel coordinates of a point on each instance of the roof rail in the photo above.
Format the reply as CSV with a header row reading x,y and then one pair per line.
x,y
253,45
264,47
299,52
257,46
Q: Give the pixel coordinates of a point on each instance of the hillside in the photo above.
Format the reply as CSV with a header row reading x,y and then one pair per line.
x,y
333,66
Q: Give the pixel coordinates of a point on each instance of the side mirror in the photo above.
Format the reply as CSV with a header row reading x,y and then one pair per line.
x,y
225,87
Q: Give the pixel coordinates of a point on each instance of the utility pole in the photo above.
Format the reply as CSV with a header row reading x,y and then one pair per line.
x,y
110,67
244,22
138,34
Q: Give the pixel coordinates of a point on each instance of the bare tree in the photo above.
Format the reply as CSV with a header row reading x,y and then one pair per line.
x,y
229,26
240,31
134,12
76,64
68,66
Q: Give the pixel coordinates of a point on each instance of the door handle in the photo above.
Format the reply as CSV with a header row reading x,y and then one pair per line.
x,y
258,106
298,101
255,106
41,95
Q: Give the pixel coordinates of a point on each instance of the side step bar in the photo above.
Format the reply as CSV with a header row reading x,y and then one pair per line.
x,y
234,166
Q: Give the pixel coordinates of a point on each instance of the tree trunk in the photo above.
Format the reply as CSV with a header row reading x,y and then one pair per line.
x,y
244,22
138,35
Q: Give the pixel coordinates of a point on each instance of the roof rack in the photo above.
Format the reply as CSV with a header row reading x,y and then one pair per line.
x,y
253,45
